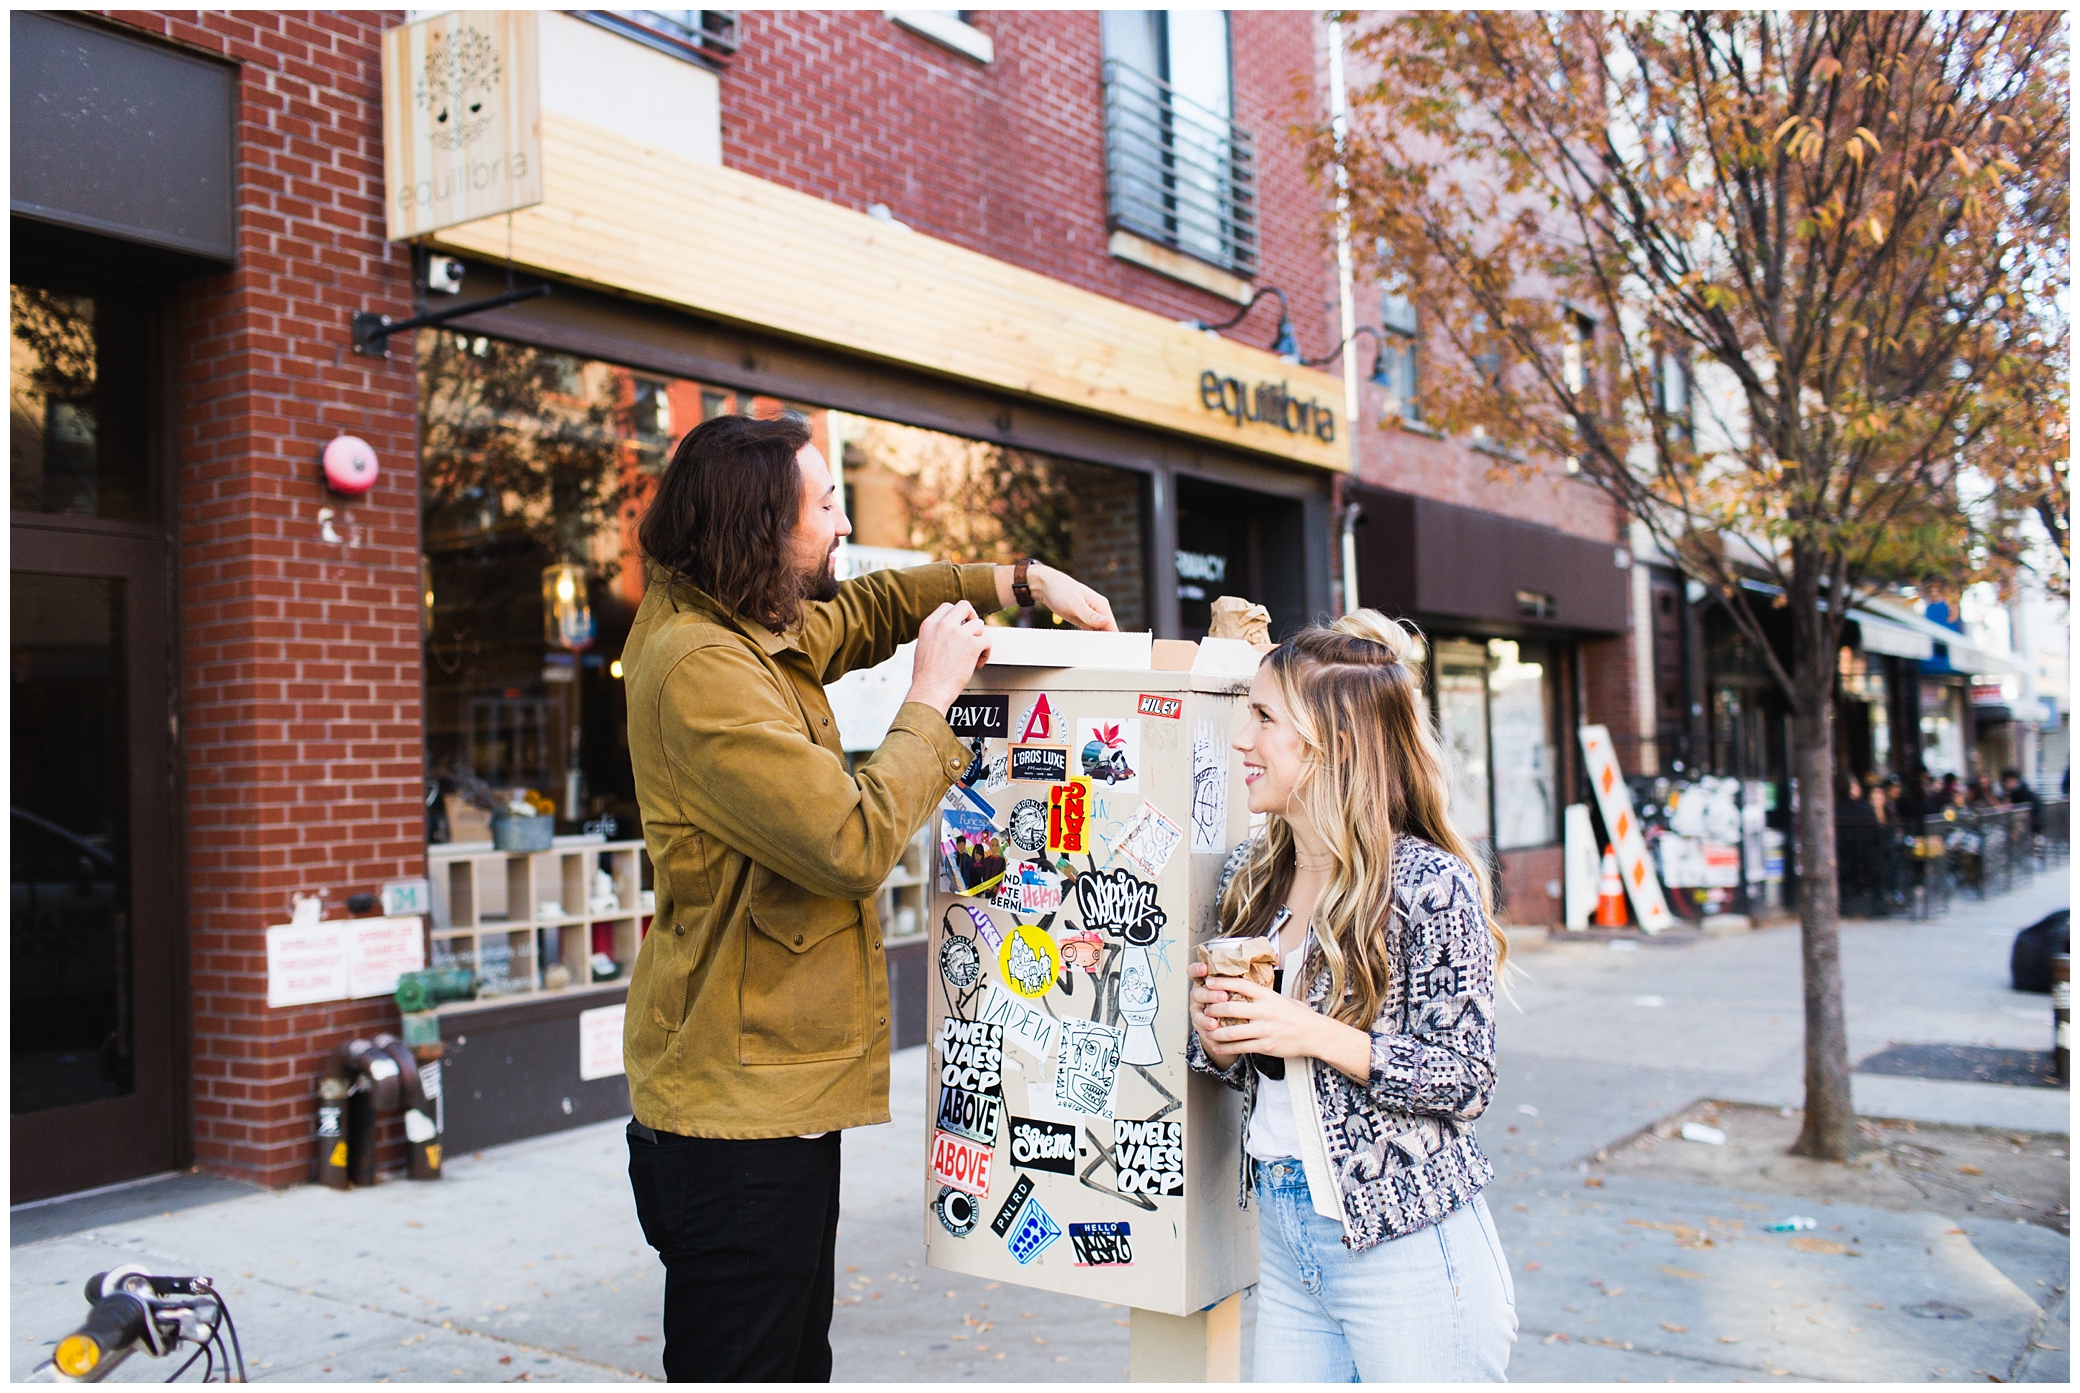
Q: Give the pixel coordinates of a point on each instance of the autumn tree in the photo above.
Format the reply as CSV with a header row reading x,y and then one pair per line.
x,y
1789,287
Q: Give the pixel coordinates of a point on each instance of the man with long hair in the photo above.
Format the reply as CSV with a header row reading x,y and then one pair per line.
x,y
757,1026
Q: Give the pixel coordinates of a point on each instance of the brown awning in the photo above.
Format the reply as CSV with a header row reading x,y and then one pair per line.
x,y
1438,562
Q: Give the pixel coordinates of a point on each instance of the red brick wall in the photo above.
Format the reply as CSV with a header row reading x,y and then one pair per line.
x,y
300,662
1008,158
1525,875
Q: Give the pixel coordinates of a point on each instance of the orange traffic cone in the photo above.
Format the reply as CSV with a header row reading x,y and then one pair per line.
x,y
1610,894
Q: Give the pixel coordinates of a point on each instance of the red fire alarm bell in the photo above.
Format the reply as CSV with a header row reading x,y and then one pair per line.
x,y
350,466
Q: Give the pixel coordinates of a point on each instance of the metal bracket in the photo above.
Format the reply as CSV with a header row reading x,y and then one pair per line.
x,y
372,331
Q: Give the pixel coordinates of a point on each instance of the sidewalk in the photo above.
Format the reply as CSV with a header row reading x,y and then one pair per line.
x,y
527,1260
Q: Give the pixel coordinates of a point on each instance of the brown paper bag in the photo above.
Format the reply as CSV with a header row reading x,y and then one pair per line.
x,y
1238,618
1253,958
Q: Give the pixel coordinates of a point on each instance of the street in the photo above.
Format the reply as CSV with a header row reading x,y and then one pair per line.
x,y
526,1261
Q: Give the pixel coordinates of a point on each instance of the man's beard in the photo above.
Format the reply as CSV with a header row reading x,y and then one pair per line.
x,y
822,583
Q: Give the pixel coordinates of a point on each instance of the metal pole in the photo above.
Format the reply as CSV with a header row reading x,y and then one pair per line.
x,y
1204,1347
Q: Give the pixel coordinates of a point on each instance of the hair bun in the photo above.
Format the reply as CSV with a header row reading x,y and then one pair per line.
x,y
1371,624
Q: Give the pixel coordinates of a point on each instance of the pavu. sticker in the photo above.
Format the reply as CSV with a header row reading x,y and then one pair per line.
x,y
1029,961
958,1212
1108,1244
979,717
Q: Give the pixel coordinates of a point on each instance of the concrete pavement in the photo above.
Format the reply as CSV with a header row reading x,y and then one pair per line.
x,y
528,1260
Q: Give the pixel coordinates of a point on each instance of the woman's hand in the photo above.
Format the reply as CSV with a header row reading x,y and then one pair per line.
x,y
1273,1024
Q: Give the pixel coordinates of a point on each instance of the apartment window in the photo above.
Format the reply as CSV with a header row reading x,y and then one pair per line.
x,y
1178,170
1672,393
699,34
1579,333
1398,352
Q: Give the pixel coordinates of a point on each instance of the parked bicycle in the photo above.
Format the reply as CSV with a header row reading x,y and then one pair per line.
x,y
130,1309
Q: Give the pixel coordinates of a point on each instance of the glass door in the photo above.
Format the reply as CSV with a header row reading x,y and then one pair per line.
x,y
94,1047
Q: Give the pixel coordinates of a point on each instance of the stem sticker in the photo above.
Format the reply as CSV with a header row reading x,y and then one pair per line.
x,y
1041,1145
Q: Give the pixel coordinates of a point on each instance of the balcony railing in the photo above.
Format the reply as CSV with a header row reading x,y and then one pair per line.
x,y
1177,173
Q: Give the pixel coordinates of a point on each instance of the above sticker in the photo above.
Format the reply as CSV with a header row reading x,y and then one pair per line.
x,y
1039,764
1086,1074
1119,904
1029,961
960,1164
1028,831
1168,707
1109,752
957,1212
1038,721
970,1115
1149,1156
1068,818
1149,840
1008,1211
971,1055
1040,1145
1032,1232
1102,1245
972,851
983,717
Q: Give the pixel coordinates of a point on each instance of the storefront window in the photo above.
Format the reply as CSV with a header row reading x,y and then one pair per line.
x,y
1462,719
78,363
1520,733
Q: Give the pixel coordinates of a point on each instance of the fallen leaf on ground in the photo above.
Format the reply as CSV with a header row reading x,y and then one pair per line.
x,y
1675,1329
1594,1182
1531,1267
505,1359
1556,1335
1686,1237
1729,1339
1614,1291
1686,1274
1875,1305
1969,1170
1855,1330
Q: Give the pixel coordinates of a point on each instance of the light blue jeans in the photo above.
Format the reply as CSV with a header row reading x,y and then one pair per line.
x,y
1433,1306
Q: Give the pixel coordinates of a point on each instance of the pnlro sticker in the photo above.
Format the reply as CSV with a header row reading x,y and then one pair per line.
x,y
1032,1233
960,1163
1108,1244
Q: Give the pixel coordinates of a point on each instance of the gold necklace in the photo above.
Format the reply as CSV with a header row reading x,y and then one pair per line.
x,y
1300,865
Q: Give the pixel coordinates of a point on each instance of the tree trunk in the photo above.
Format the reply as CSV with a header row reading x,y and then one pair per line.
x,y
1830,1132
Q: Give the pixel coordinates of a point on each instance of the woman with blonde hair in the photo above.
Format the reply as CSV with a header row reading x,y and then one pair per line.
x,y
1363,1070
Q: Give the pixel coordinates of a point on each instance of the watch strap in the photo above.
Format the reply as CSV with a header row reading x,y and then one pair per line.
x,y
1021,592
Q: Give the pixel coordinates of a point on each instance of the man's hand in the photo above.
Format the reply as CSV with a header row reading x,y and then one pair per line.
x,y
1074,601
950,646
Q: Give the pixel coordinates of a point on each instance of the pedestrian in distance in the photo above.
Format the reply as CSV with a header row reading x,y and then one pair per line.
x,y
757,1019
1363,1068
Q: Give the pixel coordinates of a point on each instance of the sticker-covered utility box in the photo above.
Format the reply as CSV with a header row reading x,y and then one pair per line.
x,y
1071,1148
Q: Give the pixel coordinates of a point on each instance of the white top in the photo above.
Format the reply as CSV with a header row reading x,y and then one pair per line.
x,y
1273,1133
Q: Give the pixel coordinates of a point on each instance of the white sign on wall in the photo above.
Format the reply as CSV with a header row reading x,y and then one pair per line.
x,y
462,134
599,1042
341,959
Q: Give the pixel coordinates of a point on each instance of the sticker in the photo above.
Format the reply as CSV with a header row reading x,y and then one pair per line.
x,y
1109,1244
1037,722
1039,764
1087,1073
1040,1145
1168,707
1120,904
1028,825
1209,789
978,763
957,1212
1149,1156
960,1164
970,1115
960,798
1137,1007
980,923
1109,752
971,1055
1001,1225
1028,1027
1068,818
1033,1233
1031,889
1083,950
1029,961
960,963
979,717
972,850
1149,840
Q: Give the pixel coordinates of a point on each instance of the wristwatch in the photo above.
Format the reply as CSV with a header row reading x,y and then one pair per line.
x,y
1020,591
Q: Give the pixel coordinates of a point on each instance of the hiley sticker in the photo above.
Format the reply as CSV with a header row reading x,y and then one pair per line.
x,y
1068,818
1108,1244
1149,1156
1039,764
1029,961
1168,707
1041,1145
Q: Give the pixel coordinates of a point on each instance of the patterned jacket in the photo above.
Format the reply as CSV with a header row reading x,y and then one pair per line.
x,y
1400,1148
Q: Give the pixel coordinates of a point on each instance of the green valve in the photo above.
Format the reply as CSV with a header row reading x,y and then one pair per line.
x,y
429,987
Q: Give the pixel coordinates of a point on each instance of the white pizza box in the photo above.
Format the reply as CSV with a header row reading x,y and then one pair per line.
x,y
1064,647
1074,1135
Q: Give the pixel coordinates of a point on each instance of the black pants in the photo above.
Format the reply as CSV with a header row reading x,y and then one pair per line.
x,y
748,1234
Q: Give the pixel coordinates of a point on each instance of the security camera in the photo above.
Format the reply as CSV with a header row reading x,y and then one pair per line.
x,y
444,274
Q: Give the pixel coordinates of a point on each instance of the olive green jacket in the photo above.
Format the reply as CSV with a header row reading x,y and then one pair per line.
x,y
759,1002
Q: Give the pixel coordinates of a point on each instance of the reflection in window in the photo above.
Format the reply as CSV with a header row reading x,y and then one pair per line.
x,y
1462,722
78,429
1520,725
